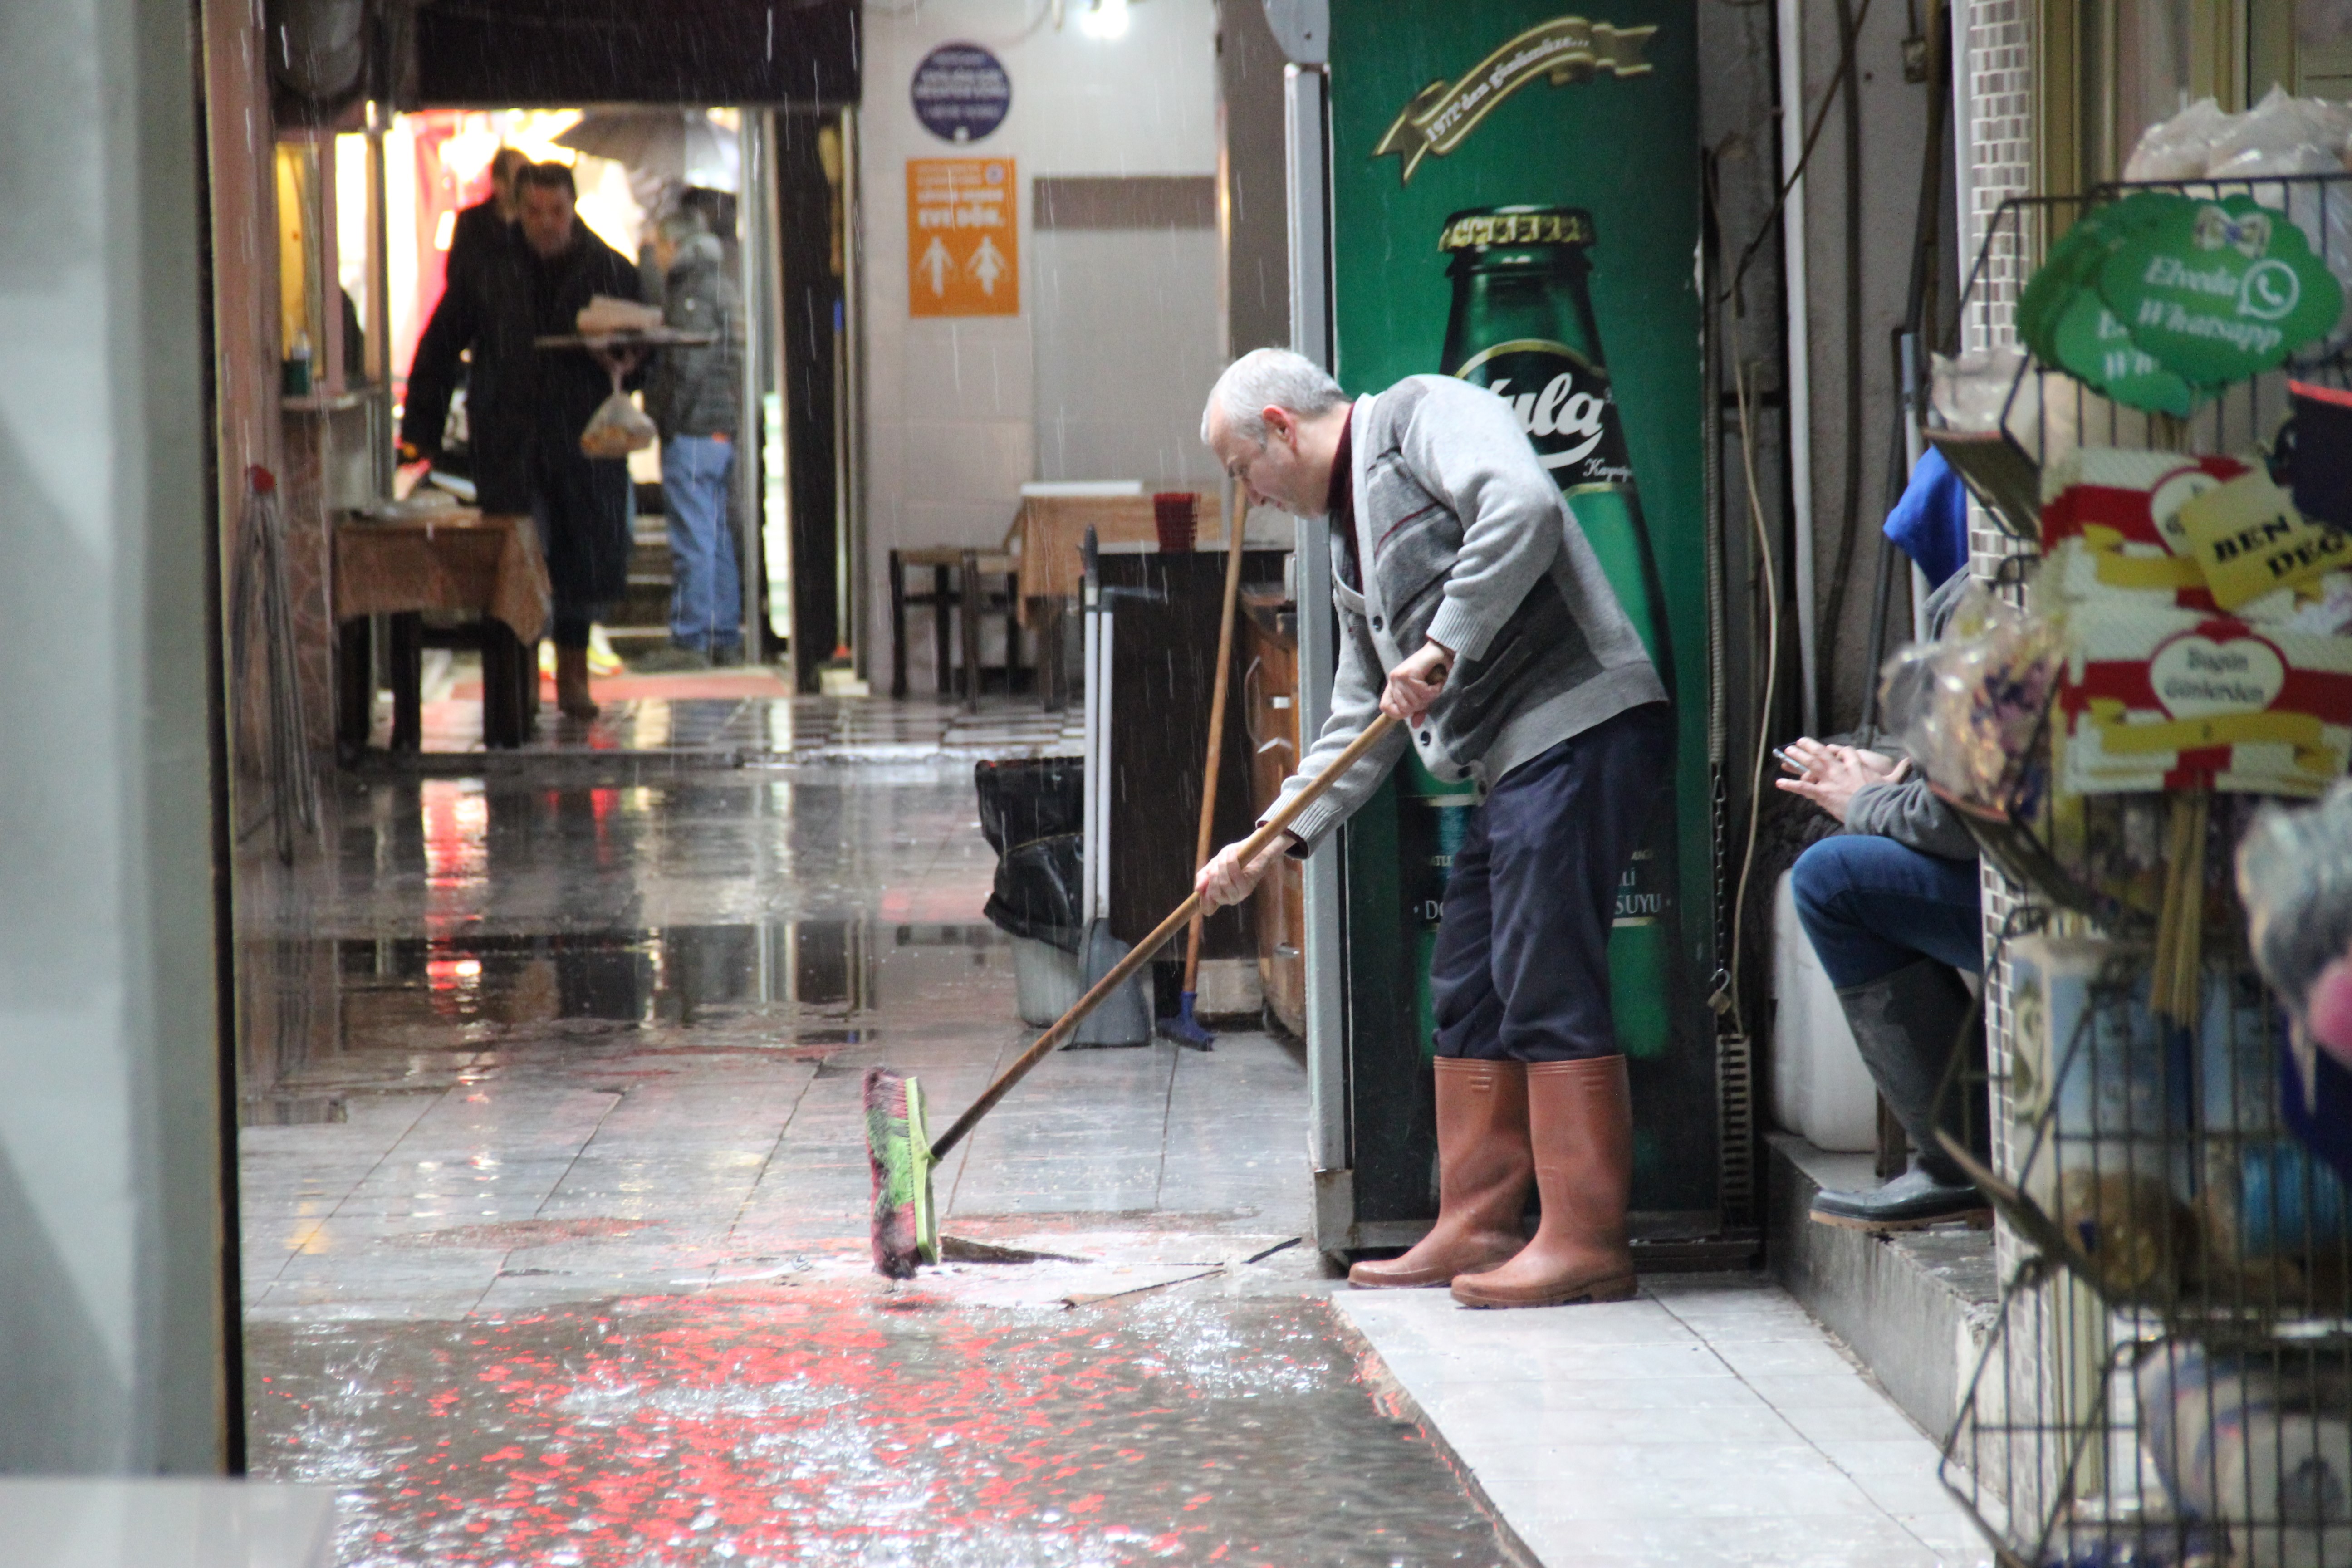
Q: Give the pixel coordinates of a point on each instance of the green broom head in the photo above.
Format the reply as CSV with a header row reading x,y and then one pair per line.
x,y
898,1148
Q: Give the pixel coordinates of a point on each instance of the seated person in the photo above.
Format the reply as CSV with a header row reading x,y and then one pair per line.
x,y
1890,908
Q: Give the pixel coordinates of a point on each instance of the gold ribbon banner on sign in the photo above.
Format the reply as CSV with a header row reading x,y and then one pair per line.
x,y
2303,732
2117,569
1566,49
2149,572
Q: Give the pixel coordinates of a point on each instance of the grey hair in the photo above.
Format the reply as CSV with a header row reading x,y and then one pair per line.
x,y
1268,378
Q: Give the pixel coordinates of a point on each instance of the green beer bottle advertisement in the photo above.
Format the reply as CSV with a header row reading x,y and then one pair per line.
x,y
1515,201
1521,326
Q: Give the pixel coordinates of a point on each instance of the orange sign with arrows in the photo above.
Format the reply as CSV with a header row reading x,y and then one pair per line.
x,y
963,240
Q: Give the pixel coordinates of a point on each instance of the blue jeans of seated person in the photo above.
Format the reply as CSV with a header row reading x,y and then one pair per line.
x,y
1521,968
706,603
1872,906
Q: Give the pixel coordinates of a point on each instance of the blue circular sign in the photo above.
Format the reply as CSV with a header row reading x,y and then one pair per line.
x,y
961,92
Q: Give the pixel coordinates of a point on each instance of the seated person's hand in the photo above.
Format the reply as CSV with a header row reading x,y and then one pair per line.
x,y
1228,880
1416,682
1830,776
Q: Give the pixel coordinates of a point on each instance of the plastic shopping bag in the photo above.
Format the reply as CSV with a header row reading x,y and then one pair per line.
x,y
617,428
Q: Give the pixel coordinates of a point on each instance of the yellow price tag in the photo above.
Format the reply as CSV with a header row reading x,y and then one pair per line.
x,y
2251,541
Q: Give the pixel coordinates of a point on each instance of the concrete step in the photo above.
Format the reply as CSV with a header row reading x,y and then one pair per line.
x,y
1915,1306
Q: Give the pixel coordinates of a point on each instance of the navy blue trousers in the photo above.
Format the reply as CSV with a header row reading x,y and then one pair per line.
x,y
1521,970
1872,906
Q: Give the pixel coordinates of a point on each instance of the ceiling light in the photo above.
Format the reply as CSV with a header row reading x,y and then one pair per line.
x,y
1104,19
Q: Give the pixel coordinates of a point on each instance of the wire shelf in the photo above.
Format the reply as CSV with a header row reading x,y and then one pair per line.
x,y
2047,412
2169,1376
2088,1439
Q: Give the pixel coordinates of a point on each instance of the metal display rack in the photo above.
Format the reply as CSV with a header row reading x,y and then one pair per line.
x,y
2169,1377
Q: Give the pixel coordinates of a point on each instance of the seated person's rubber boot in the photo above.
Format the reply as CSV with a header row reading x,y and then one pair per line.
x,y
1918,1197
1483,1166
1580,1119
1908,1024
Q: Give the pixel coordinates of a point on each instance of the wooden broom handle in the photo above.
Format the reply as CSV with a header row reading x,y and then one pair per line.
x,y
1216,725
1140,953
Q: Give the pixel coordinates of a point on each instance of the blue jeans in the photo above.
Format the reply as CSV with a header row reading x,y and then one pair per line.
x,y
1872,906
705,602
1521,970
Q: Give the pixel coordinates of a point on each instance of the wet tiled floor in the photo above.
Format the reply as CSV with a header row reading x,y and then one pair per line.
x,y
556,1204
555,1221
733,713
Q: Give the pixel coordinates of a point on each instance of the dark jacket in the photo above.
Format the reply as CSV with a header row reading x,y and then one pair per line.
x,y
524,404
700,390
478,231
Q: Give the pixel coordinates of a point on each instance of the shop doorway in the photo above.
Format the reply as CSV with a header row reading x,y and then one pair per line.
x,y
367,220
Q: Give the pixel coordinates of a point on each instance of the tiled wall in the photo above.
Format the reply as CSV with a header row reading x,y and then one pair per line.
x,y
1997,74
951,404
1997,162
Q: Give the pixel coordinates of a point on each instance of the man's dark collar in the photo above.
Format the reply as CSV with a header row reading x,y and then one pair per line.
x,y
1339,499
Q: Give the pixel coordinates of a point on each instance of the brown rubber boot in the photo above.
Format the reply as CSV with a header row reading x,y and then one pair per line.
x,y
571,683
1581,1120
1483,1165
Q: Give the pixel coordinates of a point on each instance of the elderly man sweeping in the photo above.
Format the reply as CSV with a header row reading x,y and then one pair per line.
x,y
1473,608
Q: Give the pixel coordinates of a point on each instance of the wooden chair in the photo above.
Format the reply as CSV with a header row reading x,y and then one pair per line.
x,y
962,594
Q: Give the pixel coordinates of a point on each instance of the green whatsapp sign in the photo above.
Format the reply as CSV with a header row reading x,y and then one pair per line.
x,y
2219,291
2160,300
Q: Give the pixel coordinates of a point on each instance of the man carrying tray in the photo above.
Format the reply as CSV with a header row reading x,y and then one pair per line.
x,y
527,407
1472,607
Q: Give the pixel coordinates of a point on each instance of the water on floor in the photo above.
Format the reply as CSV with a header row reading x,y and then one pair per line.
x,y
556,1200
843,1423
746,712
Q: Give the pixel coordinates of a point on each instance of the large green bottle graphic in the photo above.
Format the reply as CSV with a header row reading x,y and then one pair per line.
x,y
1522,327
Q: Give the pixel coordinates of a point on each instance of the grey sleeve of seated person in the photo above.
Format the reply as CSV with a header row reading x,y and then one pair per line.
x,y
1909,811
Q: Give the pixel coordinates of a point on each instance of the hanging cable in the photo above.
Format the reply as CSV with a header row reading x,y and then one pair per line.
x,y
1739,374
1781,201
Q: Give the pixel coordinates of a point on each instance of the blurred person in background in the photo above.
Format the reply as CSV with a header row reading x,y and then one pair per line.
x,y
483,226
527,407
695,398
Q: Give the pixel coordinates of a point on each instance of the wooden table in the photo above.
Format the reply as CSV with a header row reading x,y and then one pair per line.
x,y
1048,534
1049,530
459,561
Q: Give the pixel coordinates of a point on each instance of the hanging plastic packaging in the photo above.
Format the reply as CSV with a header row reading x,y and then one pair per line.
x,y
2179,148
1968,708
617,428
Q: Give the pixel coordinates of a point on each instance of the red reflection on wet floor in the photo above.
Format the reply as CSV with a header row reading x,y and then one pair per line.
x,y
845,1423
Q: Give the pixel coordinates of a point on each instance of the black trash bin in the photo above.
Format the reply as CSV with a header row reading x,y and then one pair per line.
x,y
1034,798
1033,812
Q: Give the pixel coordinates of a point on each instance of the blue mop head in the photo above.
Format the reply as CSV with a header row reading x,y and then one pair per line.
x,y
1185,1029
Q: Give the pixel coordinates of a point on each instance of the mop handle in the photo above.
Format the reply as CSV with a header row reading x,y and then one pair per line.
x,y
1215,764
1140,953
